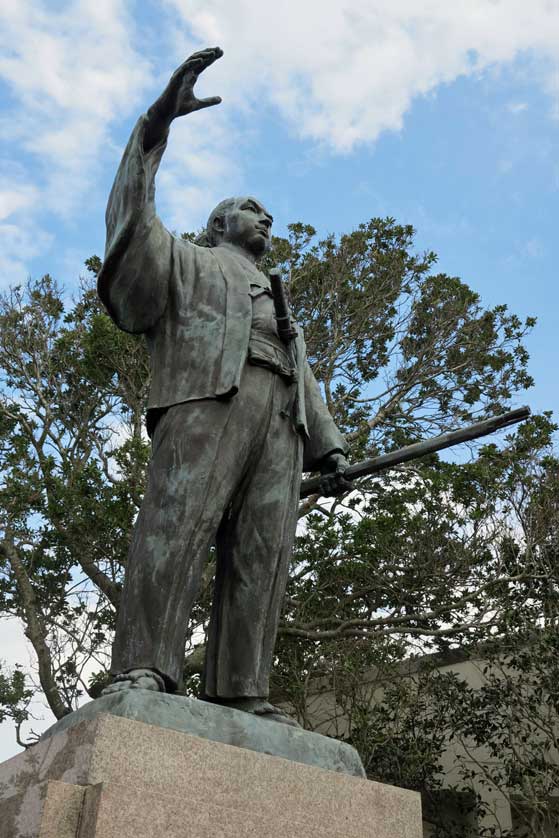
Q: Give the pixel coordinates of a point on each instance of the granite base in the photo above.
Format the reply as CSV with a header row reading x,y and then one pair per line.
x,y
220,724
111,777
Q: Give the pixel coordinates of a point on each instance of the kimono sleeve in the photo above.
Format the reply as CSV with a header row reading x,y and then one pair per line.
x,y
133,283
323,435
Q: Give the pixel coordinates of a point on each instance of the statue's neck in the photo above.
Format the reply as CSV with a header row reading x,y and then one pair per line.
x,y
240,251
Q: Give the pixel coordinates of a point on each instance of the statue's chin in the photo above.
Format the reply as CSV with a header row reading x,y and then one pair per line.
x,y
258,246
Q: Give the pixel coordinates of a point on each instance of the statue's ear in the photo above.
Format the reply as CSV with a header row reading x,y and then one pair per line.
x,y
218,225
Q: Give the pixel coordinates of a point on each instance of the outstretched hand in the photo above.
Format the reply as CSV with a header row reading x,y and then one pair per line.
x,y
178,98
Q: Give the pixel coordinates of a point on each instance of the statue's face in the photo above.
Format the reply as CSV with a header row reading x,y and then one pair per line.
x,y
248,225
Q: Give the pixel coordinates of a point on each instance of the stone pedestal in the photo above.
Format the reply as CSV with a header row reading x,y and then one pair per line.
x,y
220,724
112,777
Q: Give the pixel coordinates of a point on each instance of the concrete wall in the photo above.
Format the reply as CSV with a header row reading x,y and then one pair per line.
x,y
326,716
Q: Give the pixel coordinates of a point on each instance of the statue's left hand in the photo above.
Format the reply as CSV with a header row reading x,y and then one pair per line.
x,y
333,468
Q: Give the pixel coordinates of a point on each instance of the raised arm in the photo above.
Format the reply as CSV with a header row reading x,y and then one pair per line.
x,y
134,281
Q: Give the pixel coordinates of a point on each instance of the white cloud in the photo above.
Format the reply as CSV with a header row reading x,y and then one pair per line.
x,y
342,71
338,71
19,242
71,64
517,107
70,72
15,196
534,248
199,169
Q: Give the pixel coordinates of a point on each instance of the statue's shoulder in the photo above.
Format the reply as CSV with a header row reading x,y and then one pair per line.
x,y
190,249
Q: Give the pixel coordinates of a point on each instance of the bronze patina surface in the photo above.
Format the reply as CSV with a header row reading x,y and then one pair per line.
x,y
235,414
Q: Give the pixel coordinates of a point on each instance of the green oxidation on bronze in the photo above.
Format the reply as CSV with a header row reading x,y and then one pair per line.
x,y
234,414
218,724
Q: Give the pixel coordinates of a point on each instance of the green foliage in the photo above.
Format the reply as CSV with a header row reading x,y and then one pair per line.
x,y
435,557
14,695
401,352
73,392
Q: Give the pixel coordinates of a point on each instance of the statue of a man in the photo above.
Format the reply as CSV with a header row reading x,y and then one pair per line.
x,y
234,415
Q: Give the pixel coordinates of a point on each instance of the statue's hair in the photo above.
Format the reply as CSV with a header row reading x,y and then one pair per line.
x,y
207,238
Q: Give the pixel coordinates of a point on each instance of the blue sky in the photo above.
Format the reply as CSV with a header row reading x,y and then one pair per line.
x,y
442,114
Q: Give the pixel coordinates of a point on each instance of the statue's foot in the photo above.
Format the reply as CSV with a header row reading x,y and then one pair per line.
x,y
136,679
262,708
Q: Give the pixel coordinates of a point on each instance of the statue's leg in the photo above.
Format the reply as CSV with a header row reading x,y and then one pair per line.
x,y
191,477
254,549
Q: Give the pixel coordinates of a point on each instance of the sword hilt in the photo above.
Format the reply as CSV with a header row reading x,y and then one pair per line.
x,y
286,331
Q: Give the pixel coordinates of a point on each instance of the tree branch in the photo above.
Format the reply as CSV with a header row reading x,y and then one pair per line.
x,y
35,630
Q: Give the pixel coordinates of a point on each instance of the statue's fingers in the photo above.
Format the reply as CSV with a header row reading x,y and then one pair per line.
x,y
193,63
334,484
207,103
197,63
204,58
214,53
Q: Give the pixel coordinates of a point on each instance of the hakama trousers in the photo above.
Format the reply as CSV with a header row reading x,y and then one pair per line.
x,y
227,472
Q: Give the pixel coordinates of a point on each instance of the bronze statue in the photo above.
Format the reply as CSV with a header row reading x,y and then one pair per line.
x,y
235,414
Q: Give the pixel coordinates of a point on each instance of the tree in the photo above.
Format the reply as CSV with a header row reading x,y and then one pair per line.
x,y
422,559
73,459
404,713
